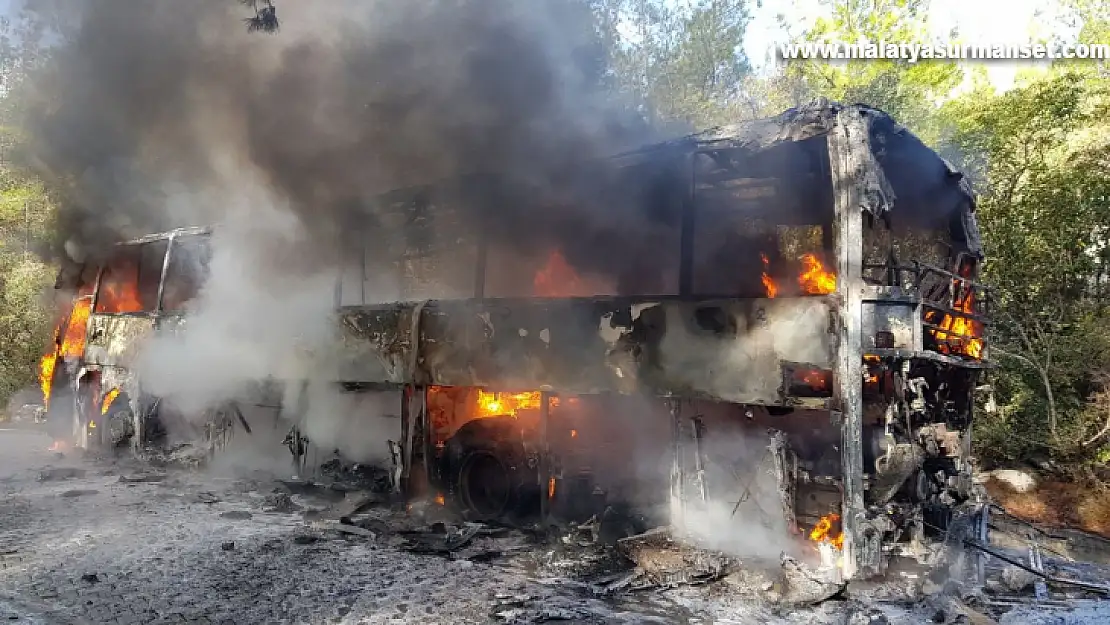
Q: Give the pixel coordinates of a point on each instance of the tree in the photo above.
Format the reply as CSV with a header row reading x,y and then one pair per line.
x,y
1045,215
26,217
908,91
682,63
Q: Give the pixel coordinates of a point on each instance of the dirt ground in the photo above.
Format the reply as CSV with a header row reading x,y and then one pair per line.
x,y
92,546
1060,504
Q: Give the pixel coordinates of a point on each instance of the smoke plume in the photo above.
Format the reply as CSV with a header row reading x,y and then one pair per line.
x,y
171,114
145,106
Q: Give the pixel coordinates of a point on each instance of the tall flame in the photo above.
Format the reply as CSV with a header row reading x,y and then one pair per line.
x,y
823,531
815,279
958,334
108,399
72,343
47,365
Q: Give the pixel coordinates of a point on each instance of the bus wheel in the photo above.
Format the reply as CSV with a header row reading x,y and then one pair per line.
x,y
117,425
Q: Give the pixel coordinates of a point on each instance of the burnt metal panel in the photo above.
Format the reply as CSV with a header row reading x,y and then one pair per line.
x,y
114,339
726,350
375,343
852,165
860,185
891,321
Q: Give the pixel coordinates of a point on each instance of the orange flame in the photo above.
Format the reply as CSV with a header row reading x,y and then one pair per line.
x,y
815,279
958,334
769,285
73,340
557,278
108,399
823,531
495,404
871,367
119,289
551,488
46,366
440,500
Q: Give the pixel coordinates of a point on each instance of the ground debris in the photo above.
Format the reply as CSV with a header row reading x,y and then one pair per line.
x,y
148,478
805,585
663,562
236,515
365,477
206,498
60,473
355,502
78,492
526,610
280,502
343,528
439,538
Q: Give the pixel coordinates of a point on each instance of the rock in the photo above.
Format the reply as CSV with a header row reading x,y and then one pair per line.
x,y
305,539
1017,579
1019,481
90,578
228,546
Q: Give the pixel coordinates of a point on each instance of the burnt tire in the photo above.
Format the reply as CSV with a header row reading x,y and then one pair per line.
x,y
487,471
118,425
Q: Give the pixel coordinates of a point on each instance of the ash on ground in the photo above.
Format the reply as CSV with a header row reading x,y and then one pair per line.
x,y
146,544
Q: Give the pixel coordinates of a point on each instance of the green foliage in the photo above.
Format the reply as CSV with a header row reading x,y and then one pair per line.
x,y
683,62
1040,153
26,218
908,91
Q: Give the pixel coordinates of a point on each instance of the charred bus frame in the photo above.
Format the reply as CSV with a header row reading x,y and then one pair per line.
x,y
898,343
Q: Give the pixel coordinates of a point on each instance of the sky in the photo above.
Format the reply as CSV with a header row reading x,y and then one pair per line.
x,y
977,21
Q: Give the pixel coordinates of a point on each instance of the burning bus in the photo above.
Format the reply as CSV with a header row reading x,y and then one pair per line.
x,y
803,344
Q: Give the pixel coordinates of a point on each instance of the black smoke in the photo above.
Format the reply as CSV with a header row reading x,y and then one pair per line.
x,y
151,114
